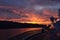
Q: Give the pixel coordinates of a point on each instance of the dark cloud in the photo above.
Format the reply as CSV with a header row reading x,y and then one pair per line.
x,y
9,14
30,3
26,2
13,2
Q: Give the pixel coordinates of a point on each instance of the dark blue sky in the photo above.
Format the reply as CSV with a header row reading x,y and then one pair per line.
x,y
29,2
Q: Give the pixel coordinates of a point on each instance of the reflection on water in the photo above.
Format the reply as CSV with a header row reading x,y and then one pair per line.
x,y
14,32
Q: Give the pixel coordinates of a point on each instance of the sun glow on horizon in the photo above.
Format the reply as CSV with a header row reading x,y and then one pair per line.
x,y
28,15
38,22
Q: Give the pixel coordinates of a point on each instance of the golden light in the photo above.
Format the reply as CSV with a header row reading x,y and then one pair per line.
x,y
32,16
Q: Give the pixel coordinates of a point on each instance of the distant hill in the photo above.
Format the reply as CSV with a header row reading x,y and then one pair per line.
x,y
10,24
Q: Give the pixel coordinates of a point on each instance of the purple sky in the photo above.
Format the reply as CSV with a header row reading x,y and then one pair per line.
x,y
17,9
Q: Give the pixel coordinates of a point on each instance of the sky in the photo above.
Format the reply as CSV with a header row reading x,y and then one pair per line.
x,y
29,11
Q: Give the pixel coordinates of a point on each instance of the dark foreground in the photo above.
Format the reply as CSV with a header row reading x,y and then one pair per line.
x,y
44,34
37,35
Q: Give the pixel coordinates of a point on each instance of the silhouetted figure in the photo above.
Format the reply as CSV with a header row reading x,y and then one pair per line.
x,y
57,26
59,13
52,19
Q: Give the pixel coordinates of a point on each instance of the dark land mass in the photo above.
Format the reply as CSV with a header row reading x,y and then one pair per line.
x,y
40,35
10,24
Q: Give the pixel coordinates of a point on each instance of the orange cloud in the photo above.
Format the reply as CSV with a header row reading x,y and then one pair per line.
x,y
31,16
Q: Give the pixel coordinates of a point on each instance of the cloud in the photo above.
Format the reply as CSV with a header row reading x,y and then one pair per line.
x,y
9,13
28,11
26,14
28,3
